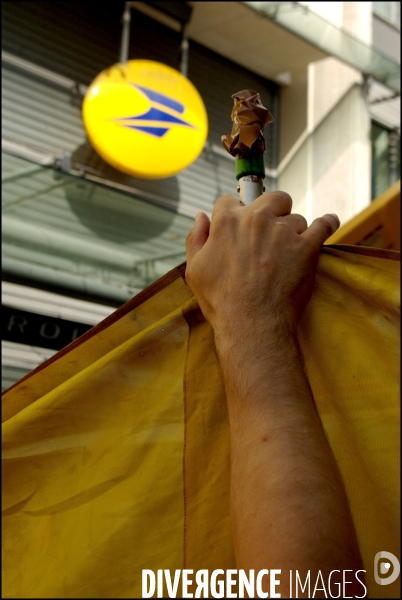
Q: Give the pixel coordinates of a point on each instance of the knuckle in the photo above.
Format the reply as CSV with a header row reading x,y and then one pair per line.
x,y
223,201
265,212
303,220
225,219
256,213
284,197
258,217
282,229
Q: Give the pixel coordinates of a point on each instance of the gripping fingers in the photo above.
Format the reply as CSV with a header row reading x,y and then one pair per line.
x,y
224,204
279,203
198,235
321,229
297,222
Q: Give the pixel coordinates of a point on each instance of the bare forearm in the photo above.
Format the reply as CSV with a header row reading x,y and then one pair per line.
x,y
252,270
289,506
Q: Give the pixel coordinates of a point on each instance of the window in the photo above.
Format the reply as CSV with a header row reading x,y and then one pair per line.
x,y
385,158
390,11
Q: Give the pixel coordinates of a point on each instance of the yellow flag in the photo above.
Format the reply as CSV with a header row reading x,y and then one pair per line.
x,y
116,450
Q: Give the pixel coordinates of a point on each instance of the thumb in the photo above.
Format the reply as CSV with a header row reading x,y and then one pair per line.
x,y
198,235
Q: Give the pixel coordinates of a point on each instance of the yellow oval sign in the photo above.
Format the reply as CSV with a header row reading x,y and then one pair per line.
x,y
145,119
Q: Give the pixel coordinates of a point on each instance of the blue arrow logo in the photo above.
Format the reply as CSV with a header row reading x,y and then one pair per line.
x,y
156,121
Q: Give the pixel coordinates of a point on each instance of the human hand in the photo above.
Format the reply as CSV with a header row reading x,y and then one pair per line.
x,y
254,266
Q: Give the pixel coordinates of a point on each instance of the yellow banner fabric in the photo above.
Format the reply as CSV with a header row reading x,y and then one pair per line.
x,y
116,450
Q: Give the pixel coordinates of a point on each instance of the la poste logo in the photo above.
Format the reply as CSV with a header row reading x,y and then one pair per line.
x,y
145,119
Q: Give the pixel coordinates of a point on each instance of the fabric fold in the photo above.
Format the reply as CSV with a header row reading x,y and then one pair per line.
x,y
116,454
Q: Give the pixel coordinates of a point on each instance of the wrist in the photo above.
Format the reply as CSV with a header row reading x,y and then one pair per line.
x,y
254,337
263,359
259,364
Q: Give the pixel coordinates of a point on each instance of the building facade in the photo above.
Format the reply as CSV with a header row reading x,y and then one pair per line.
x,y
79,237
